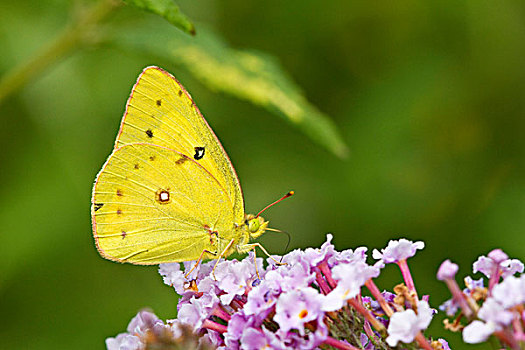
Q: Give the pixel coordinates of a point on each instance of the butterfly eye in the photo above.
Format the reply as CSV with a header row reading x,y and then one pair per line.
x,y
253,225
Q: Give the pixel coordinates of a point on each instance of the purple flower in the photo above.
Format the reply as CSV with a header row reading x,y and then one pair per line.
x,y
478,331
510,267
492,311
351,277
236,326
191,314
397,250
447,270
450,307
314,256
173,276
124,341
143,322
492,263
261,299
300,305
349,256
498,255
472,284
143,330
254,339
235,276
289,277
484,265
405,325
510,292
297,307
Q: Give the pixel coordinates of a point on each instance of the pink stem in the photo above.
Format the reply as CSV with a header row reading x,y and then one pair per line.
x,y
321,282
507,338
237,304
367,314
221,313
405,272
338,344
423,342
458,296
327,274
518,329
494,277
379,297
368,331
214,326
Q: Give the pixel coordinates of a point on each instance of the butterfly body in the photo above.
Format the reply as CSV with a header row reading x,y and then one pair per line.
x,y
168,192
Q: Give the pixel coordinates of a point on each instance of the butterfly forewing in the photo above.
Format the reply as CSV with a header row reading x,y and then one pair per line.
x,y
161,112
152,205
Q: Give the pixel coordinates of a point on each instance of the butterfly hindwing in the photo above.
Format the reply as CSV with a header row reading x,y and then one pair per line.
x,y
152,205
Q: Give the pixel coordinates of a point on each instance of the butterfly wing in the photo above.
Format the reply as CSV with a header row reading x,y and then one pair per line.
x,y
161,112
153,205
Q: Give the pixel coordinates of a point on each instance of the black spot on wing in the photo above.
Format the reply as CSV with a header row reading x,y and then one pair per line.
x,y
180,93
181,160
149,132
98,206
159,102
199,153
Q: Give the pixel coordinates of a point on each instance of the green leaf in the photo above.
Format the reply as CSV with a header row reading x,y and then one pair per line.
x,y
167,9
254,77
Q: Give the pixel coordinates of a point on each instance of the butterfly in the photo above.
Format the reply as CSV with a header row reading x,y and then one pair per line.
x,y
168,192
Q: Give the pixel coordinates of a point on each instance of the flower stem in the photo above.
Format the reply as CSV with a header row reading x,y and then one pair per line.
x,y
219,312
494,277
405,271
338,344
74,35
423,342
379,297
327,274
367,314
506,337
321,282
214,326
458,296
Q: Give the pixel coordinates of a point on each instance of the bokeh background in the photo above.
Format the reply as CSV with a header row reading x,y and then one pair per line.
x,y
428,96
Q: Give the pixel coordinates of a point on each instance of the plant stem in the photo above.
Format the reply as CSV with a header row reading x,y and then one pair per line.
x,y
405,271
73,36
338,344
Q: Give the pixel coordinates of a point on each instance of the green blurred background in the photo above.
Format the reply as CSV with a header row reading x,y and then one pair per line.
x,y
428,96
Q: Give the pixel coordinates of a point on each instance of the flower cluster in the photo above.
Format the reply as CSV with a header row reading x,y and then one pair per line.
x,y
498,309
147,331
313,299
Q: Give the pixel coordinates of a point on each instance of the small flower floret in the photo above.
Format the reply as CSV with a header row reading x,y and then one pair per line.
x,y
447,270
405,325
398,250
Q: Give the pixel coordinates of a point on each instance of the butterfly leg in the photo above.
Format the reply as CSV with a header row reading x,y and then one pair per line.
x,y
198,261
252,246
220,256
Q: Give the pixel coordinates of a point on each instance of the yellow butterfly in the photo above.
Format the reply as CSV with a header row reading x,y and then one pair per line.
x,y
168,192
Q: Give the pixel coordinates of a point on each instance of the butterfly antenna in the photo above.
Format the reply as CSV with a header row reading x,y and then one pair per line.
x,y
289,194
287,243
